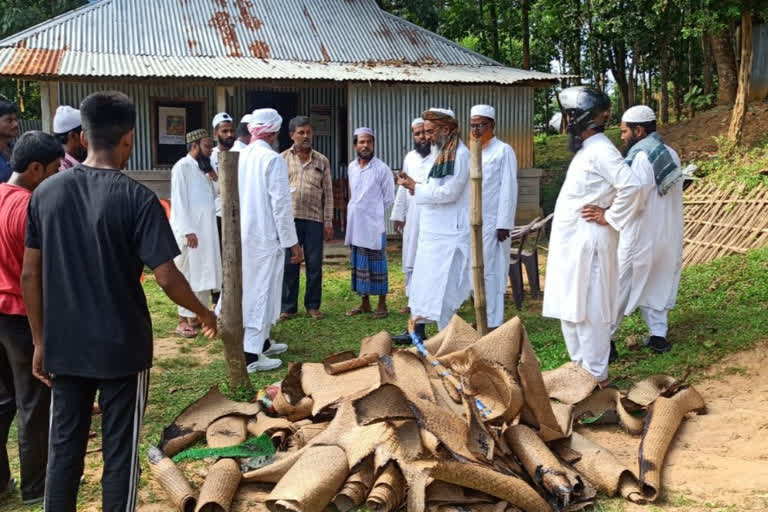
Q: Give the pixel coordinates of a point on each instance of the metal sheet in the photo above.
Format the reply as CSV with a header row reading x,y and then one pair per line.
x,y
758,89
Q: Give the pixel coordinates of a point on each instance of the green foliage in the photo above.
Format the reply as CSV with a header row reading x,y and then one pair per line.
x,y
735,164
697,99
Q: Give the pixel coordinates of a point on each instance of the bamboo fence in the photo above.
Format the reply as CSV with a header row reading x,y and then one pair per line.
x,y
723,221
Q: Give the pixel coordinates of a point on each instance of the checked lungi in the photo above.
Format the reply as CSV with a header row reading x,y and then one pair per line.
x,y
369,269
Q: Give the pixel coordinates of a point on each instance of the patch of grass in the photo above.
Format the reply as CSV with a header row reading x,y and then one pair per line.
x,y
743,165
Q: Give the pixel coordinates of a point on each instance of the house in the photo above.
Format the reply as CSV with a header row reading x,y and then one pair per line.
x,y
345,63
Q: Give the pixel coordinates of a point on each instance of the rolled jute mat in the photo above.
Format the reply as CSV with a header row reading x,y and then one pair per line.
x,y
193,421
172,480
494,387
388,491
291,401
439,492
312,482
605,401
380,344
484,479
219,487
647,390
408,372
346,361
306,433
456,336
330,390
357,486
539,462
264,424
569,383
662,422
226,431
600,467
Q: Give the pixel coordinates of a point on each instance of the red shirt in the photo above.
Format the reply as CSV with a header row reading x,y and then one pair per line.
x,y
13,226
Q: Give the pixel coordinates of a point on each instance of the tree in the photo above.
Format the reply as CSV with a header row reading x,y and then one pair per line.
x,y
745,75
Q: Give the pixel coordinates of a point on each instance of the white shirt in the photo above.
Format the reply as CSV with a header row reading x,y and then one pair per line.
x,y
193,212
371,192
597,176
405,208
499,186
267,229
652,242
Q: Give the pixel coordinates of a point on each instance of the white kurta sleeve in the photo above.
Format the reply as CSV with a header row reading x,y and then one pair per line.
x,y
388,188
448,191
505,217
183,223
279,190
400,208
626,204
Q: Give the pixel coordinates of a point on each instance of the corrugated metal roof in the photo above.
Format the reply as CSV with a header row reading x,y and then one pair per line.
x,y
352,31
245,39
26,62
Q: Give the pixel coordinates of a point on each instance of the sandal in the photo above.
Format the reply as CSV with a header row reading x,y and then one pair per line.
x,y
356,311
287,316
380,314
186,331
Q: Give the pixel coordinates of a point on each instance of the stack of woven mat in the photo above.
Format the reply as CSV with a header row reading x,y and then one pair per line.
x,y
463,423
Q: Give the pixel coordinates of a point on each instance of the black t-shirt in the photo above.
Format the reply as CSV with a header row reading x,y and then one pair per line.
x,y
96,229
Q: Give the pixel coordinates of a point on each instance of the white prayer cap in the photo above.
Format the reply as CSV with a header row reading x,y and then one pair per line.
x,y
483,110
639,114
417,122
267,120
444,111
246,119
221,117
363,131
66,119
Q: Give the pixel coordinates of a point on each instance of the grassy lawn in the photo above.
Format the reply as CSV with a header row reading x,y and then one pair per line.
x,y
722,308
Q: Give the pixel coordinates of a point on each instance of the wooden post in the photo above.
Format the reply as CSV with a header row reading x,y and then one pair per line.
x,y
232,262
49,101
476,223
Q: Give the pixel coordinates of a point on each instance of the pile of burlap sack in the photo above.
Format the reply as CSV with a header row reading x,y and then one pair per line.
x,y
465,423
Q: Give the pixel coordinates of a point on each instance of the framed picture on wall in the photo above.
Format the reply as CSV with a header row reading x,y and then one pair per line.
x,y
321,120
172,119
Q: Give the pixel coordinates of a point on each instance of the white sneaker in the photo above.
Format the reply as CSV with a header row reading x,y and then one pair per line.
x,y
264,363
275,348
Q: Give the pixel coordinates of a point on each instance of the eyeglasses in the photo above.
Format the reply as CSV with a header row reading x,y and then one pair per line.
x,y
478,126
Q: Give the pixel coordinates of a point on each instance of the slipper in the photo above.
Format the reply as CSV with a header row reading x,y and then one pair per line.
x,y
356,311
405,310
315,314
186,331
380,314
287,316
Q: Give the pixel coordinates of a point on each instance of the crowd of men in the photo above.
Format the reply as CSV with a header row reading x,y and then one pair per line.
x,y
74,318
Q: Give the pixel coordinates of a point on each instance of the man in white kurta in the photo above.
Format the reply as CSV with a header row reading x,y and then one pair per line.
x,y
499,206
371,192
267,229
440,282
193,219
582,265
651,245
405,212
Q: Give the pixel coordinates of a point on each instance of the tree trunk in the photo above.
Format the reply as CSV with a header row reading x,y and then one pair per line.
x,y
722,49
232,263
706,63
664,82
678,101
476,222
745,76
494,29
576,48
525,11
619,69
643,82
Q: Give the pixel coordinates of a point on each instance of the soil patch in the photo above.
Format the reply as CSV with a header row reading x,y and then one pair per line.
x,y
719,459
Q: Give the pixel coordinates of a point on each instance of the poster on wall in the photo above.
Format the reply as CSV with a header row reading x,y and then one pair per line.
x,y
172,125
321,120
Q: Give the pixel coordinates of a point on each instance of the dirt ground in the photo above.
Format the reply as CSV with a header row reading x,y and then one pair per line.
x,y
693,138
717,461
720,459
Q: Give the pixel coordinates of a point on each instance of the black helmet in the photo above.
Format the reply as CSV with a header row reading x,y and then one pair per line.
x,y
581,106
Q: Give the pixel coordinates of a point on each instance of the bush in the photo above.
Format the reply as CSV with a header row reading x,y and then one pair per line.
x,y
736,164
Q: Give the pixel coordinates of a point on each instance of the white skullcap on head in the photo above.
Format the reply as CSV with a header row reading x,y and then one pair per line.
x,y
245,119
221,117
265,120
445,111
66,119
363,131
483,110
639,114
417,122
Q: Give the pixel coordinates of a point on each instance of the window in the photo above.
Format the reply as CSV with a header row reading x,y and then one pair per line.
x,y
172,118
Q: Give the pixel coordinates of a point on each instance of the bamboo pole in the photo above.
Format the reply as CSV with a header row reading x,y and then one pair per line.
x,y
476,223
232,263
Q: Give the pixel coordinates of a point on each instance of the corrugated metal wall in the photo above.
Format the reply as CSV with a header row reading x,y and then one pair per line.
x,y
308,97
758,89
388,110
26,125
140,93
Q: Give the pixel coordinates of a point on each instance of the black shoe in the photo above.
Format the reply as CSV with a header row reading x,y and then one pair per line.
x,y
614,356
659,344
404,338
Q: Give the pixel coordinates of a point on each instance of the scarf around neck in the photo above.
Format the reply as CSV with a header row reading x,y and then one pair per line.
x,y
446,159
665,170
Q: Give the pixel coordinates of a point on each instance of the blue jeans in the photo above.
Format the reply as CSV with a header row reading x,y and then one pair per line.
x,y
310,234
